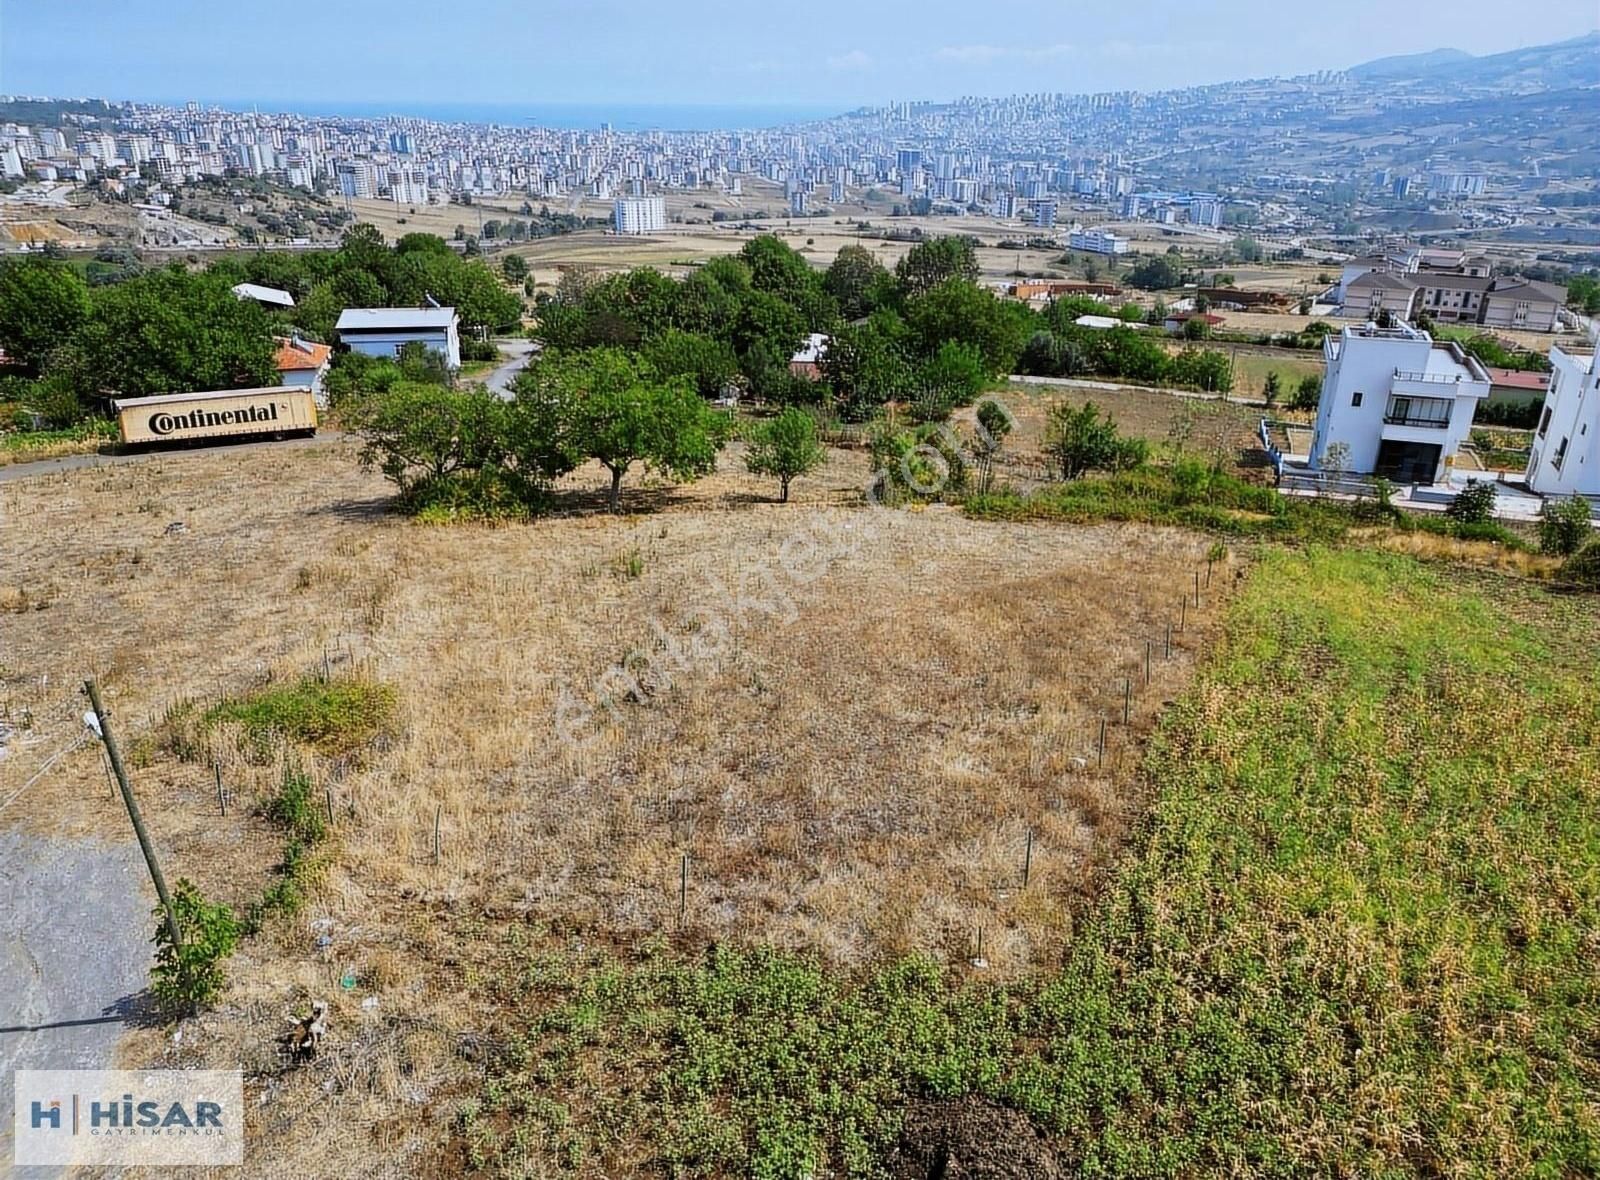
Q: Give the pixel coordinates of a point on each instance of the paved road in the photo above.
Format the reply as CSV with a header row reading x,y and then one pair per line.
x,y
75,932
521,351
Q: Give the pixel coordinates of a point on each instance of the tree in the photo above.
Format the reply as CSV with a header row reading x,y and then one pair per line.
x,y
1272,388
857,281
1156,273
1196,328
187,977
994,425
865,370
42,306
951,377
1080,440
515,267
1247,249
1473,505
174,332
786,448
960,310
710,364
1564,525
1308,393
619,412
936,261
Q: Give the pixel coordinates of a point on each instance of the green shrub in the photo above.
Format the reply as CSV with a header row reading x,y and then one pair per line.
x,y
294,807
1564,525
1474,505
925,463
336,716
1583,567
186,978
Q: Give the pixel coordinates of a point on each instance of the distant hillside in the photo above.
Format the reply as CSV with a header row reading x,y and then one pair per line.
x,y
1409,65
1563,65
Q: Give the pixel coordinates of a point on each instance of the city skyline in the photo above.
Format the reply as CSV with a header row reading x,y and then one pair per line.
x,y
699,54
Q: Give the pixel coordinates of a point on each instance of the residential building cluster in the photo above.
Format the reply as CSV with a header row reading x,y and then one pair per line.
x,y
1448,286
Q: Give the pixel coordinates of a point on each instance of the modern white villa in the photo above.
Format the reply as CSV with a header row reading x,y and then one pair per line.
x,y
1396,403
1565,460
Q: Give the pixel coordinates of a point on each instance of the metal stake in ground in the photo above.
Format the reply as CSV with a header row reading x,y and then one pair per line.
x,y
104,720
1027,859
222,800
1127,700
683,889
1196,589
438,813
1101,759
1147,645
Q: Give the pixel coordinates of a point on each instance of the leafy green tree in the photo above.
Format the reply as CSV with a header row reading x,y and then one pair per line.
x,y
421,433
710,364
1080,439
1308,393
1204,368
619,412
931,263
1196,328
515,267
1272,388
995,423
1564,525
963,311
779,270
174,332
865,371
1247,249
1474,504
951,377
1156,273
43,304
1051,354
785,448
858,282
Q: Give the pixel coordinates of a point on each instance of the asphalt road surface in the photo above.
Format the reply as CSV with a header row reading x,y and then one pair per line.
x,y
75,952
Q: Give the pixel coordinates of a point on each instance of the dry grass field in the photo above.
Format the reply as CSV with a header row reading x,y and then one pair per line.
x,y
849,721
1208,427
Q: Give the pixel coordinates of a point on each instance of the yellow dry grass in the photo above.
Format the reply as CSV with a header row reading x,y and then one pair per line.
x,y
850,721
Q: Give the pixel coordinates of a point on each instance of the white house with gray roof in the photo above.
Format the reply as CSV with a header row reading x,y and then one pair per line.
x,y
384,331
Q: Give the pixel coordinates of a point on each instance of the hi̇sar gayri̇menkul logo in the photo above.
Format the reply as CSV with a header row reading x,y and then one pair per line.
x,y
111,1116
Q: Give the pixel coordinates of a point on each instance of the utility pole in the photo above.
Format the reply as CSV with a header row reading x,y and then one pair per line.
x,y
104,720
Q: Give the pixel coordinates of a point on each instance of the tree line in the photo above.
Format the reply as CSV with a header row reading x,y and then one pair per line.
x,y
73,344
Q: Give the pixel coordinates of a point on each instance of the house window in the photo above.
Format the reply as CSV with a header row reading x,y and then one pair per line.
x,y
1544,423
1355,399
1561,454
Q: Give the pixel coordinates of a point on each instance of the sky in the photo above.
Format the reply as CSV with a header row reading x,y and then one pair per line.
x,y
829,53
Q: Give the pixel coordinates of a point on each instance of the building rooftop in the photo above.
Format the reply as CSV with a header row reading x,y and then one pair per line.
x,y
262,294
377,319
294,355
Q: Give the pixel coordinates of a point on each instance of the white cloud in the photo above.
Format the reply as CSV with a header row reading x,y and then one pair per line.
x,y
854,60
983,55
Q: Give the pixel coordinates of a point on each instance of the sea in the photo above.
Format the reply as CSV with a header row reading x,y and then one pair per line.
x,y
565,116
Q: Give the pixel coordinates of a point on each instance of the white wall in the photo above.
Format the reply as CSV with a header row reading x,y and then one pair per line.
x,y
388,343
1573,409
1367,365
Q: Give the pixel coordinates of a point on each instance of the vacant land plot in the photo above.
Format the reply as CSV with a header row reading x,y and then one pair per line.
x,y
830,730
1211,427
1356,938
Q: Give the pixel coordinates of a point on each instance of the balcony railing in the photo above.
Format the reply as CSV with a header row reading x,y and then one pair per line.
x,y
1429,422
1431,378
